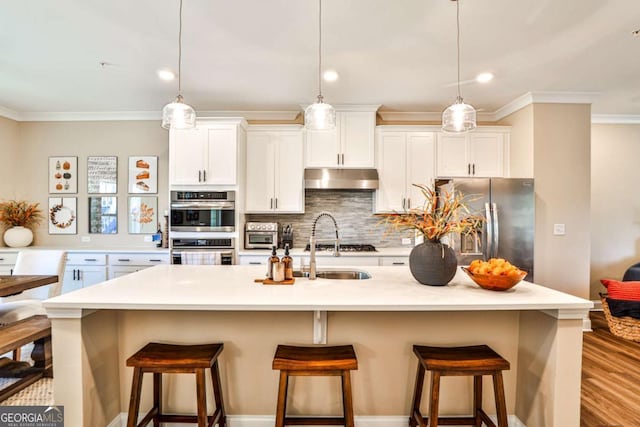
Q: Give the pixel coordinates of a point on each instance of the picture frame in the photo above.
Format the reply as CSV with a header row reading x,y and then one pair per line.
x,y
63,174
142,214
102,175
103,215
62,215
143,175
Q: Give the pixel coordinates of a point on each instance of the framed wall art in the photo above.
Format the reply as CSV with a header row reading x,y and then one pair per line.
x,y
62,215
102,174
143,175
63,174
143,215
103,215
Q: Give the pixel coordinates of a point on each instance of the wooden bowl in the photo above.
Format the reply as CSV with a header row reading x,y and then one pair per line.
x,y
495,283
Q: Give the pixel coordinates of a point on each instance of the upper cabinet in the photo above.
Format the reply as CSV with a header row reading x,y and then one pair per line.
x,y
481,153
405,157
206,155
275,181
349,145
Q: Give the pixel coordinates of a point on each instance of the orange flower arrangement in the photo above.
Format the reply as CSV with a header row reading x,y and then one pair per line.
x,y
440,215
20,213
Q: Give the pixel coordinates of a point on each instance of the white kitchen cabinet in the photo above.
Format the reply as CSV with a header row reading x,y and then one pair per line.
x,y
480,153
206,155
124,263
349,145
7,261
275,181
84,269
404,158
394,261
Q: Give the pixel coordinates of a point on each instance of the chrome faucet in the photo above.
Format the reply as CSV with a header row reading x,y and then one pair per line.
x,y
312,244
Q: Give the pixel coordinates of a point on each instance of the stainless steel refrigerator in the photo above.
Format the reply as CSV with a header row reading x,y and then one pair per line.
x,y
508,207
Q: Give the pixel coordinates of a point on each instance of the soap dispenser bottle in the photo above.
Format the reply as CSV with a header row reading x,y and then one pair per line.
x,y
288,264
273,261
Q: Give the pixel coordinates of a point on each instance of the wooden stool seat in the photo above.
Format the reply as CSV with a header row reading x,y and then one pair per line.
x,y
315,361
473,361
171,358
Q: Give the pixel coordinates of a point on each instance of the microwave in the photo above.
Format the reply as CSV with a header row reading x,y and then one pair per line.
x,y
203,211
261,235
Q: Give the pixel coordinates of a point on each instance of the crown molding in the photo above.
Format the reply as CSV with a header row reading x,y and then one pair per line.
x,y
544,98
350,107
10,114
621,119
252,115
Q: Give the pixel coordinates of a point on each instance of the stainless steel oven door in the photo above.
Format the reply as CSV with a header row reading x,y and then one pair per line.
x,y
260,239
203,257
203,216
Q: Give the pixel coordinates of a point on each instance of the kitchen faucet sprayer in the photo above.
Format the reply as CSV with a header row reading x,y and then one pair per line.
x,y
312,244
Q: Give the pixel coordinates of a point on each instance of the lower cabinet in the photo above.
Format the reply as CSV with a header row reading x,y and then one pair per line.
x,y
84,269
329,261
126,263
7,261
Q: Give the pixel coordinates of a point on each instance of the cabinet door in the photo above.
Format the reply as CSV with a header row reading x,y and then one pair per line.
x,y
289,174
453,158
420,165
79,276
391,196
222,148
6,270
187,150
488,154
119,271
357,139
70,281
323,147
92,275
260,172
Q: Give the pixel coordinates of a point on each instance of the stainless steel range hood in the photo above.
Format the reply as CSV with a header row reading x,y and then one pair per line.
x,y
341,179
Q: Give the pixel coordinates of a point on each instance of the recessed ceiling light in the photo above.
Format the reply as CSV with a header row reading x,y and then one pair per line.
x,y
636,33
330,76
484,77
166,75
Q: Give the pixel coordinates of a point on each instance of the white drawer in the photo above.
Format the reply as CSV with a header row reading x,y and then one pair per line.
x,y
253,259
8,258
397,261
329,261
86,259
138,259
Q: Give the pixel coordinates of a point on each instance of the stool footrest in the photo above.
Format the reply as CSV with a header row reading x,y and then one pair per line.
x,y
314,421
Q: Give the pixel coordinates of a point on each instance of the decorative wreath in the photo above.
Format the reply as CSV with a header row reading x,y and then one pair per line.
x,y
53,213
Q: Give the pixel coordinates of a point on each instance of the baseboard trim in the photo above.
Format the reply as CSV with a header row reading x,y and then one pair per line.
x,y
268,421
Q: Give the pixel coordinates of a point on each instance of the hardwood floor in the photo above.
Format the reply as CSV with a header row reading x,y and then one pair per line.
x,y
610,378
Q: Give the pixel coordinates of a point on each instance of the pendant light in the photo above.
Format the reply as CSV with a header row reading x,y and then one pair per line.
x,y
320,115
177,114
458,117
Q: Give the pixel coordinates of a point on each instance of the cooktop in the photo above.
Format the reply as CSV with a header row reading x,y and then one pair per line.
x,y
344,247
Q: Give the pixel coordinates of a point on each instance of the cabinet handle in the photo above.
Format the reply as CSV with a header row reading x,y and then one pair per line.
x,y
474,169
79,271
204,176
271,205
74,274
155,260
398,263
90,260
468,168
255,263
1,259
338,158
276,203
124,259
342,159
199,176
403,202
408,203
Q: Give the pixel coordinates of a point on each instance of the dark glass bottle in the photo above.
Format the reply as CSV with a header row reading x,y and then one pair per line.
x,y
288,264
273,259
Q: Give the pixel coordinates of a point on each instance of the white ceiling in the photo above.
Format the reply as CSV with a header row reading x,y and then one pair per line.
x,y
262,54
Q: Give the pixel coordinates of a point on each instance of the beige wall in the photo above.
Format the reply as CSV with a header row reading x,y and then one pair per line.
x,y
562,157
40,140
9,147
615,201
521,142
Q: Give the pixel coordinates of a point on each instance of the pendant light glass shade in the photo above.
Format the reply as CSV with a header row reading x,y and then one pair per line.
x,y
177,114
458,117
320,115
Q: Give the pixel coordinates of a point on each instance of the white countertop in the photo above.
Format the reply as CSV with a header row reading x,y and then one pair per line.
x,y
402,251
105,249
232,288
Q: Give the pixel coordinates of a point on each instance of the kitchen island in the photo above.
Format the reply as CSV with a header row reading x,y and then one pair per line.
x,y
95,329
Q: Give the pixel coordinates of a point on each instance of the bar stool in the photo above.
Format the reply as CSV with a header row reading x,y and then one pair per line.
x,y
184,359
315,361
473,361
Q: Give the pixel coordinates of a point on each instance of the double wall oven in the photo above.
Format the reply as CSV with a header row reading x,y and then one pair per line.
x,y
201,226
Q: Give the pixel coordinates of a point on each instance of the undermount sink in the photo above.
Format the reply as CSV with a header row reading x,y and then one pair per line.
x,y
336,274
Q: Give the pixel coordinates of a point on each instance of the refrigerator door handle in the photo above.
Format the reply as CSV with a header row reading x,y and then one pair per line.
x,y
496,229
488,250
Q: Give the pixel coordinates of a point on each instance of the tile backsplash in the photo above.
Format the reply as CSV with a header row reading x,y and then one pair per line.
x,y
353,211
